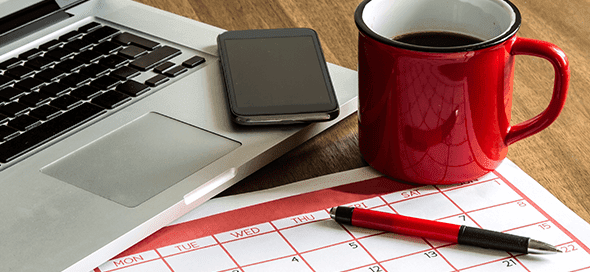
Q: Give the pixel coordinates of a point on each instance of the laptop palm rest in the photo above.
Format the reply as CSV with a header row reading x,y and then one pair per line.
x,y
141,159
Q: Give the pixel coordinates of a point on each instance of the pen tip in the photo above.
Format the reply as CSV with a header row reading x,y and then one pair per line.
x,y
536,246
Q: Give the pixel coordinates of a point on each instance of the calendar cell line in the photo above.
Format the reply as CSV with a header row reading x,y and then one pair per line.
x,y
187,246
131,260
488,207
292,247
458,207
164,261
508,262
419,262
409,194
295,255
437,251
227,252
360,244
525,226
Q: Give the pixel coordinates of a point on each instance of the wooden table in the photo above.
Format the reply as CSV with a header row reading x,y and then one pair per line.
x,y
558,157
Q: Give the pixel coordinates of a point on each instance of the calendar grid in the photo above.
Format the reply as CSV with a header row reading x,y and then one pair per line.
x,y
544,213
163,260
287,241
226,252
361,245
461,209
439,254
354,249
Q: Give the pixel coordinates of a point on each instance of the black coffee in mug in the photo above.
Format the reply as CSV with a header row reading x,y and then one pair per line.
x,y
437,39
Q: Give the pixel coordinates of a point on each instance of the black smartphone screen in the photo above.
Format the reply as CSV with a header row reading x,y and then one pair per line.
x,y
278,72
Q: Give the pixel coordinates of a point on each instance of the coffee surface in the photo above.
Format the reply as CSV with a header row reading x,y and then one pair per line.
x,y
437,39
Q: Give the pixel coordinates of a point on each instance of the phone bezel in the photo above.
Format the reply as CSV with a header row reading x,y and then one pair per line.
x,y
277,114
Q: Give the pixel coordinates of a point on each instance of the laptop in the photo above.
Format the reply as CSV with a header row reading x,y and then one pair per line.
x,y
113,123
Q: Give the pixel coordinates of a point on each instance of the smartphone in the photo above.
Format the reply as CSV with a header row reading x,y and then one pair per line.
x,y
276,76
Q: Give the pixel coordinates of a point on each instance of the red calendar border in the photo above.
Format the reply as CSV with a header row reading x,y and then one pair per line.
x,y
281,208
266,212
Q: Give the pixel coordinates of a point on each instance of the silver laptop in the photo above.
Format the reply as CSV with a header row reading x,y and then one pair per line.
x,y
113,123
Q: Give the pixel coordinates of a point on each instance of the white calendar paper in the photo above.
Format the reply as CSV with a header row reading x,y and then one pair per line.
x,y
289,229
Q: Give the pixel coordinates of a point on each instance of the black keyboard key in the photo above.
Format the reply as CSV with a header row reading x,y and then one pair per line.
x,y
10,94
163,67
105,82
85,92
29,84
7,133
65,102
94,70
39,63
88,56
3,118
13,109
108,48
50,45
176,71
59,54
10,63
70,36
133,88
102,34
24,123
193,62
30,54
155,57
48,131
132,52
49,75
113,61
157,80
69,65
74,80
78,45
5,81
111,99
34,99
45,112
20,72
126,38
55,89
87,28
125,73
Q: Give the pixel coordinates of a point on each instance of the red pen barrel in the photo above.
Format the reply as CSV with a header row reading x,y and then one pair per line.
x,y
405,225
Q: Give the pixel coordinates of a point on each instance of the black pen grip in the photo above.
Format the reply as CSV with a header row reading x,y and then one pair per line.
x,y
492,239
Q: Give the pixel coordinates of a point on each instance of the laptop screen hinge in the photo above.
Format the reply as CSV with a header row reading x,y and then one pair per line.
x,y
210,186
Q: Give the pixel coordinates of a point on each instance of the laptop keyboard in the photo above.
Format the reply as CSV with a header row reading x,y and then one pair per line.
x,y
66,82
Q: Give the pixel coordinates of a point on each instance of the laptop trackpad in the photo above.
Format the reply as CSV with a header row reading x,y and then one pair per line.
x,y
141,159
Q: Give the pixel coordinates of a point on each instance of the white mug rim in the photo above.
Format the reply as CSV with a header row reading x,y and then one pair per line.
x,y
364,29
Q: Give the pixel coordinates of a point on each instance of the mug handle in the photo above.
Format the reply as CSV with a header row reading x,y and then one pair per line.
x,y
550,52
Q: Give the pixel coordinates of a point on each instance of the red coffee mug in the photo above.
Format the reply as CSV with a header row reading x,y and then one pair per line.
x,y
441,115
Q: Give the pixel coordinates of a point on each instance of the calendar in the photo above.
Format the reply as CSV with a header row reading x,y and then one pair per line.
x,y
289,229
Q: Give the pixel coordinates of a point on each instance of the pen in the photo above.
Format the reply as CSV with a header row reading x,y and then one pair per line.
x,y
460,234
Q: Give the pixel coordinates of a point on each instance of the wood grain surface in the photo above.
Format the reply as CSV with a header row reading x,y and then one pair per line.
x,y
558,157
